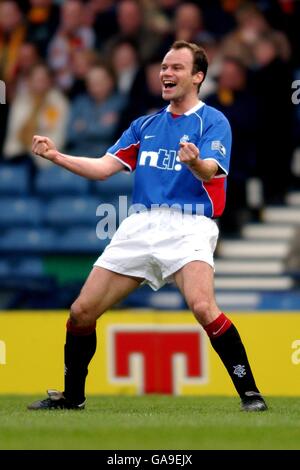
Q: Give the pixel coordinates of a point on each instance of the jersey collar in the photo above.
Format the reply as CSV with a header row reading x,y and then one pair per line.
x,y
190,111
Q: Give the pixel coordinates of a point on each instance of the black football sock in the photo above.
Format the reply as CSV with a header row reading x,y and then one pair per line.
x,y
80,347
228,344
231,350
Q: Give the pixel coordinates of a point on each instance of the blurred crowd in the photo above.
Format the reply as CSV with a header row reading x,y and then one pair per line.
x,y
80,71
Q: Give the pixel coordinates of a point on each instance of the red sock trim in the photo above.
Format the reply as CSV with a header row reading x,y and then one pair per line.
x,y
218,326
79,330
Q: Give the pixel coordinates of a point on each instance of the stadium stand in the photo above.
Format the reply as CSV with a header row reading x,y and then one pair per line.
x,y
28,240
4,268
50,221
17,211
258,262
30,267
48,215
59,220
117,184
78,240
54,180
65,211
13,179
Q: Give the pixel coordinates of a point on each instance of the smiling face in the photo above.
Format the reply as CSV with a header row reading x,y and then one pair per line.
x,y
179,83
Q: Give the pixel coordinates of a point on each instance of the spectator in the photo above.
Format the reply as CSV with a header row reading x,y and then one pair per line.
x,y
95,115
189,24
42,20
71,37
158,18
219,16
212,49
12,34
81,62
131,24
251,25
42,108
272,85
145,96
234,99
167,7
27,58
125,62
105,25
152,101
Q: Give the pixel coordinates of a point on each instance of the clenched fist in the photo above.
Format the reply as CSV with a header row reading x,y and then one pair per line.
x,y
188,153
44,147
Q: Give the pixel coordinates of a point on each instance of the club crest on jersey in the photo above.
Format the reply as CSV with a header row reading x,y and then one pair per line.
x,y
217,145
184,138
163,159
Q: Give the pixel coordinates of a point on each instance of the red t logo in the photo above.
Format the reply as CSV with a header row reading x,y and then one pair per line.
x,y
161,353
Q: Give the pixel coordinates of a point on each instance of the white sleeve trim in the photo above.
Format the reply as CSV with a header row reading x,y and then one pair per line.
x,y
121,161
218,163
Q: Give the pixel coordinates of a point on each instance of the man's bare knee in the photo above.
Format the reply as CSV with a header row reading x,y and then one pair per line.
x,y
82,314
203,311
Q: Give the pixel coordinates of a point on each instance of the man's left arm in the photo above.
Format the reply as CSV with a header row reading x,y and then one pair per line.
x,y
211,156
202,169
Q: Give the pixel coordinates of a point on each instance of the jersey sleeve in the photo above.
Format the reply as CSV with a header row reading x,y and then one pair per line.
x,y
215,144
127,147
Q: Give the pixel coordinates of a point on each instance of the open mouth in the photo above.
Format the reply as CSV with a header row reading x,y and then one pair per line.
x,y
169,84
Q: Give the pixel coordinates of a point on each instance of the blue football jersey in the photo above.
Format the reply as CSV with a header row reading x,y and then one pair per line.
x,y
150,146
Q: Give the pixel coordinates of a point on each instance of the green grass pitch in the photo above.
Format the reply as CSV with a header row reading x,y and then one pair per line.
x,y
151,422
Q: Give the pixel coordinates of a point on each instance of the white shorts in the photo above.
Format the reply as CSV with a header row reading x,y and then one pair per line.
x,y
153,245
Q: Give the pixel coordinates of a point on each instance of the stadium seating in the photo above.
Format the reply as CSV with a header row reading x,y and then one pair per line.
x,y
20,211
14,179
30,267
5,268
121,183
21,267
81,240
66,211
63,217
55,180
28,240
254,271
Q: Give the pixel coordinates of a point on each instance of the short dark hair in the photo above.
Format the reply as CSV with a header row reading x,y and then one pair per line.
x,y
200,63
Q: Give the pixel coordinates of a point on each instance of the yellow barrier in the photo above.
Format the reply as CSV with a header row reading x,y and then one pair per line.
x,y
146,352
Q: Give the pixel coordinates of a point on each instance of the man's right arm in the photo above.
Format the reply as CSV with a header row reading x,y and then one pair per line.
x,y
92,168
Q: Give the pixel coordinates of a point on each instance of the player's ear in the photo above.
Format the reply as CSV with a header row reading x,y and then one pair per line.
x,y
198,78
